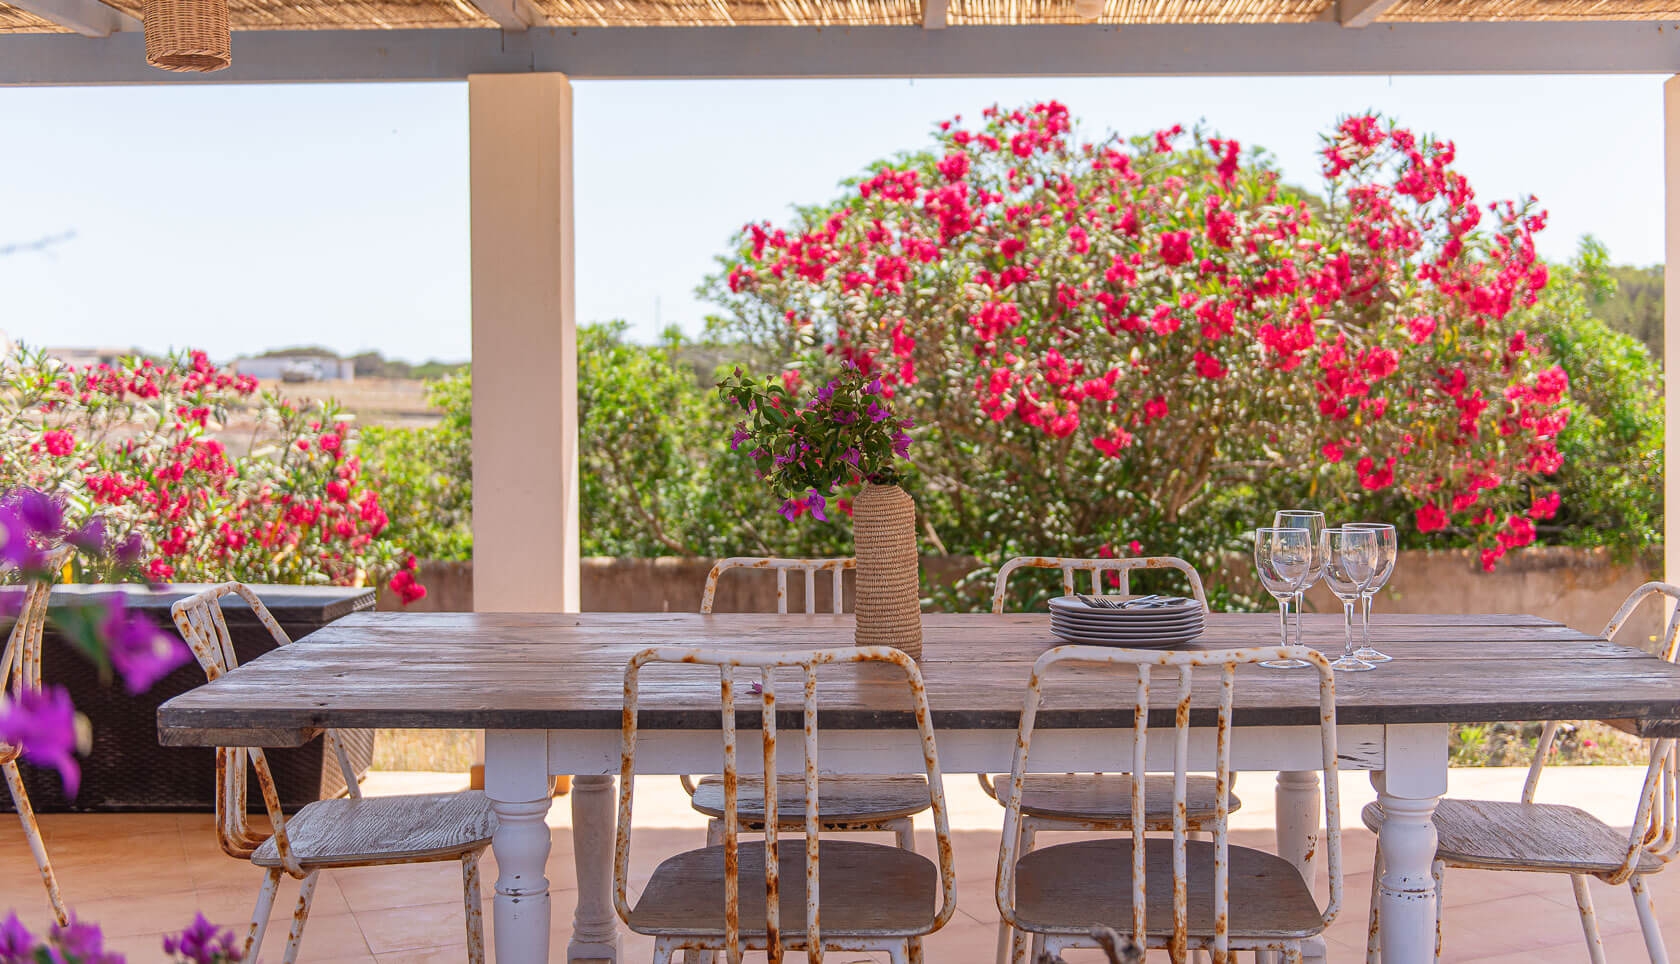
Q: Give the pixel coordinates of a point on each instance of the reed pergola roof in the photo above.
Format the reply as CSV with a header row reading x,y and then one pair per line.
x,y
24,16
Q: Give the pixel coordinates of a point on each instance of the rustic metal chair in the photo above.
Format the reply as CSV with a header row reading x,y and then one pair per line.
x,y
328,834
20,671
1222,898
1546,838
860,897
1099,801
860,804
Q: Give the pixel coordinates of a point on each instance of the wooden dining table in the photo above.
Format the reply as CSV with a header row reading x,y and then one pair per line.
x,y
547,689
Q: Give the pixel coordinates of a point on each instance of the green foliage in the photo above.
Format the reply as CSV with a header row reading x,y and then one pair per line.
x,y
426,474
1628,299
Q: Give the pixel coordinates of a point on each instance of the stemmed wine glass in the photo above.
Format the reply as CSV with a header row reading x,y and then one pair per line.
x,y
1284,558
1388,551
1313,524
1350,565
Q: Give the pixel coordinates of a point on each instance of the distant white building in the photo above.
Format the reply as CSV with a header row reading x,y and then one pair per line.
x,y
297,368
83,357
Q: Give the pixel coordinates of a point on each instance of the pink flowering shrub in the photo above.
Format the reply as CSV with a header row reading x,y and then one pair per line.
x,y
1105,338
143,445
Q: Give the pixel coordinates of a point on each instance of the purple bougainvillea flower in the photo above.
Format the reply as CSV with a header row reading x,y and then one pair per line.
x,y
131,550
825,394
816,503
43,723
140,652
739,437
16,943
42,514
203,943
844,417
791,508
851,456
15,546
90,538
873,388
81,943
901,445
877,413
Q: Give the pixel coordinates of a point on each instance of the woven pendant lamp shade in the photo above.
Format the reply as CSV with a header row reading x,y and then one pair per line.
x,y
187,35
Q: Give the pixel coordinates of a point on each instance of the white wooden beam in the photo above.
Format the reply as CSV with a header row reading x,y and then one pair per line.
x,y
1361,13
934,14
90,18
285,56
1671,328
514,15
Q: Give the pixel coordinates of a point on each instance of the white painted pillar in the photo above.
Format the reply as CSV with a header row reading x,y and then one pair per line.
x,y
1671,335
525,473
524,345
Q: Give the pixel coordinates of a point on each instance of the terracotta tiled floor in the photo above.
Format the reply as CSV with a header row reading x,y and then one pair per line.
x,y
142,874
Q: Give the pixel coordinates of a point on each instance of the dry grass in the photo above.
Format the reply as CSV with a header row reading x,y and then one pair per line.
x,y
443,751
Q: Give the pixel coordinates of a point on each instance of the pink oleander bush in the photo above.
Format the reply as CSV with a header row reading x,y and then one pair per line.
x,y
143,444
1104,338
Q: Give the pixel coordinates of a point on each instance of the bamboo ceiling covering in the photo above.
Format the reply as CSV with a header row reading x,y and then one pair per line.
x,y
407,14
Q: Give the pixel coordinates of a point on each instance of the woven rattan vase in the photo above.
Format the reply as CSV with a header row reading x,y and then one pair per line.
x,y
889,605
187,35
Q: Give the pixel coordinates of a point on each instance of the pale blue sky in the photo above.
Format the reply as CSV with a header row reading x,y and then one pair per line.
x,y
239,218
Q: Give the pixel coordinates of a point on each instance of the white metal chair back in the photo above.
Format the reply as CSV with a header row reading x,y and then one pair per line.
x,y
1098,568
810,567
202,624
727,662
1658,811
20,662
1180,665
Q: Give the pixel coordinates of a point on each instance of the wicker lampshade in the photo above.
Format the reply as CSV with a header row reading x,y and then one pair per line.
x,y
187,34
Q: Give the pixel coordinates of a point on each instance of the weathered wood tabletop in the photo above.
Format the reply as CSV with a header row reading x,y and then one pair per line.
x,y
564,671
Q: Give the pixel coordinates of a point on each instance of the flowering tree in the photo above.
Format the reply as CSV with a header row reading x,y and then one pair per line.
x,y
140,443
1101,337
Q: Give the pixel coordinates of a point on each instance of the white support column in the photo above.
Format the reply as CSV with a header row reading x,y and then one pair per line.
x,y
524,345
1671,329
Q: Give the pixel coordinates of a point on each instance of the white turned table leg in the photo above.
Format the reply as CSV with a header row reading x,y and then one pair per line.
x,y
595,923
1298,808
516,780
1414,778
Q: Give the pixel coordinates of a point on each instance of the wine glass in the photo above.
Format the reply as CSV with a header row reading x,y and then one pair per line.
x,y
1388,551
1350,565
1313,523
1283,557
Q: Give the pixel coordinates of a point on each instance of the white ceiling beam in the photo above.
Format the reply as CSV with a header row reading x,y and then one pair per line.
x,y
934,14
514,15
1361,13
655,53
90,18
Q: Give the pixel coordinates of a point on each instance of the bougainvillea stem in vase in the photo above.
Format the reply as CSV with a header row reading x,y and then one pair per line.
x,y
844,434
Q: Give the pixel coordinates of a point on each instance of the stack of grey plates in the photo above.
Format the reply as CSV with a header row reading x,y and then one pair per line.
x,y
1142,622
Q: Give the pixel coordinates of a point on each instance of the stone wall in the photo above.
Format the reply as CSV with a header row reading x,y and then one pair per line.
x,y
1580,587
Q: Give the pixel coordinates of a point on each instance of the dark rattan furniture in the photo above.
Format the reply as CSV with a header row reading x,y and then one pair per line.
x,y
127,769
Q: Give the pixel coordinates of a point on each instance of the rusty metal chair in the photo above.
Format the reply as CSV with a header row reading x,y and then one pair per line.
x,y
862,804
859,897
20,671
1099,801
1546,838
328,834
1178,894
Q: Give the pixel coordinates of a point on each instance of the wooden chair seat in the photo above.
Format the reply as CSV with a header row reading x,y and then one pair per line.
x,y
1543,837
840,800
1107,798
868,890
369,830
1069,887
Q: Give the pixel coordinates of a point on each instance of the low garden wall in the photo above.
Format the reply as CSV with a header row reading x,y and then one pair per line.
x,y
1580,587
